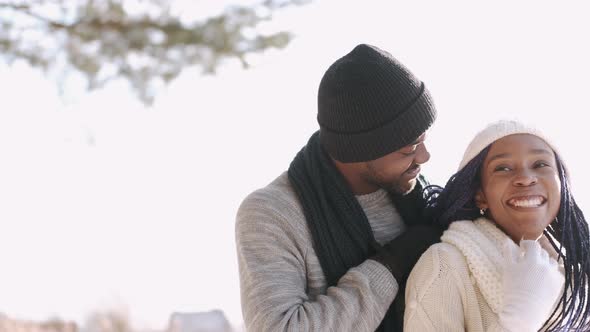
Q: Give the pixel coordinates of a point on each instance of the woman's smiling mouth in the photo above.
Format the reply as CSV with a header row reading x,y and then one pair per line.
x,y
527,201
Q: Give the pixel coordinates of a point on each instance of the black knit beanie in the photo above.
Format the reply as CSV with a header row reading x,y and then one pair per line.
x,y
370,105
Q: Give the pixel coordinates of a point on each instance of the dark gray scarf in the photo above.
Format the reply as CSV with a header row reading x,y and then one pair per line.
x,y
342,235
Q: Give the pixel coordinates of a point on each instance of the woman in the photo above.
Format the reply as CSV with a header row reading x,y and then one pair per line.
x,y
515,238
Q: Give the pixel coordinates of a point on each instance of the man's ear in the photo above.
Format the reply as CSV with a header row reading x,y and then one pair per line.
x,y
480,200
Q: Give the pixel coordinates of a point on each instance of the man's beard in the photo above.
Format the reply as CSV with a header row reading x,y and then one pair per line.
x,y
400,188
397,187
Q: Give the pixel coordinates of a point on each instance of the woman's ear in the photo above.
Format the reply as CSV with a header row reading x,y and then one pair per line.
x,y
480,200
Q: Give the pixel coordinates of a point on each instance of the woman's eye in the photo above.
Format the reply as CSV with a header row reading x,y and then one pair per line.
x,y
540,164
501,169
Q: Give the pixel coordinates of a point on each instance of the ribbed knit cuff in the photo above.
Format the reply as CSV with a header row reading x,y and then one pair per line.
x,y
382,281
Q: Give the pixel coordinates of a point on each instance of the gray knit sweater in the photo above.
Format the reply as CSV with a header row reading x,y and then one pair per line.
x,y
281,281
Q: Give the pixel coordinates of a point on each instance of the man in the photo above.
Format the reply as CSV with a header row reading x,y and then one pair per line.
x,y
328,245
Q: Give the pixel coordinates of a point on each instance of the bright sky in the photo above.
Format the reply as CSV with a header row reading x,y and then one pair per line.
x,y
105,203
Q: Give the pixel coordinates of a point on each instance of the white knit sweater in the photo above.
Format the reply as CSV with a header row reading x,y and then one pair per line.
x,y
457,284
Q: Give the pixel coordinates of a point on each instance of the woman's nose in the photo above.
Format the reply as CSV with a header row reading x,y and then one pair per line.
x,y
525,178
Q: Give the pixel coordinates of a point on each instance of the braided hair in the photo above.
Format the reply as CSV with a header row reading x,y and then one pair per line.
x,y
568,234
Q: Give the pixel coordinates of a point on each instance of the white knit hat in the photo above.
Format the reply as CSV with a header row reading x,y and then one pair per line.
x,y
497,130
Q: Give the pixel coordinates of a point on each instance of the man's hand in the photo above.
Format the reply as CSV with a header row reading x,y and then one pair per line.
x,y
401,254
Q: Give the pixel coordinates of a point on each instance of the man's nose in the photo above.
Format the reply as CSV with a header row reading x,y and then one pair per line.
x,y
422,154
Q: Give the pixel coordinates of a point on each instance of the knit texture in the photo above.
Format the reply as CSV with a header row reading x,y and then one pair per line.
x,y
481,243
532,284
282,284
457,284
496,131
339,227
369,105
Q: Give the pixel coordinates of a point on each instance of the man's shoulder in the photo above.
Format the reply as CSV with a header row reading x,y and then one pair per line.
x,y
277,193
274,202
275,212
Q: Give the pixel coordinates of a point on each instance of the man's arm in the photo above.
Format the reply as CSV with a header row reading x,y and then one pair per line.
x,y
274,250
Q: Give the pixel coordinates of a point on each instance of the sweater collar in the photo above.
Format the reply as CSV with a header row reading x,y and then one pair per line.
x,y
481,243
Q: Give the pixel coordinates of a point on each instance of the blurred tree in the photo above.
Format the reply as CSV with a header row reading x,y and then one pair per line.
x,y
108,321
138,40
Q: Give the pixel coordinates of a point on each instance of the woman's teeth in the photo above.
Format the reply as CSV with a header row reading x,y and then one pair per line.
x,y
526,202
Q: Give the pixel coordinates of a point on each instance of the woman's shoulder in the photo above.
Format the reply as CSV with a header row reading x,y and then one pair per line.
x,y
441,261
443,256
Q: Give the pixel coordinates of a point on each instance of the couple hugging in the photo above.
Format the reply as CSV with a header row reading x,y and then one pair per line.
x,y
353,238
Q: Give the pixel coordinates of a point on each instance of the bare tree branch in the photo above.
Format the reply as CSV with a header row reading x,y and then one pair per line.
x,y
103,40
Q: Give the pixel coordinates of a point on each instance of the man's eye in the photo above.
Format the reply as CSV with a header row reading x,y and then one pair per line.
x,y
410,150
409,153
